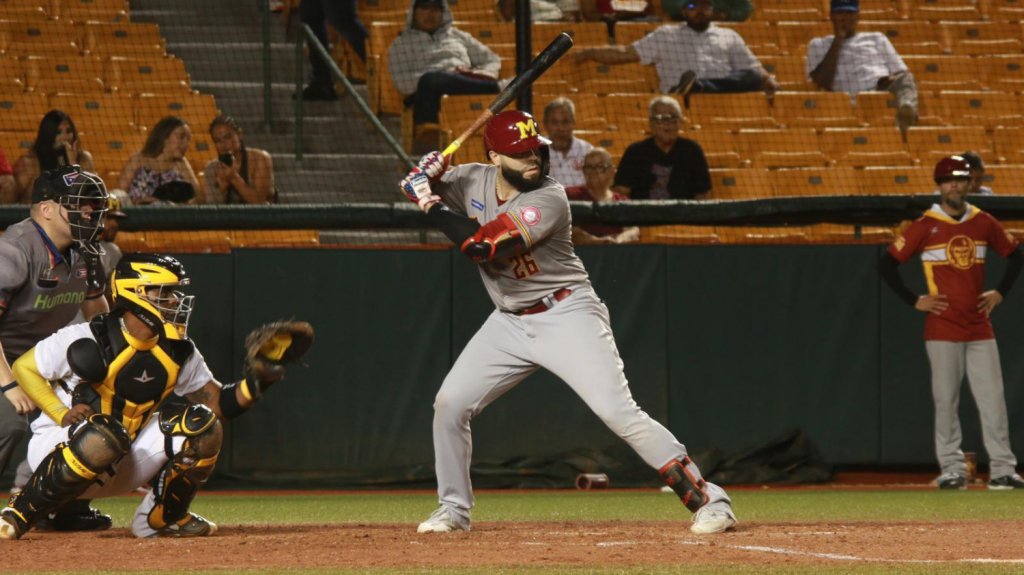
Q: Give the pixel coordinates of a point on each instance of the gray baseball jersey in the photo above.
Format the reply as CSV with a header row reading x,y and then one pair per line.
x,y
40,290
543,219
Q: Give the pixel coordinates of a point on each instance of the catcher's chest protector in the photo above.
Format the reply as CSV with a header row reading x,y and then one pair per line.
x,y
139,374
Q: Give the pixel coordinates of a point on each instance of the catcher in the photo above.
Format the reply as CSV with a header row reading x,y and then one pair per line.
x,y
129,400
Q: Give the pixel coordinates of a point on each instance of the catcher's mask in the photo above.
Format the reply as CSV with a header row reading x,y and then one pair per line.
x,y
148,286
82,195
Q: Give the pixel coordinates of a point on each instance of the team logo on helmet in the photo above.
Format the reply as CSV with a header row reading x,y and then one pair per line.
x,y
530,215
961,252
527,128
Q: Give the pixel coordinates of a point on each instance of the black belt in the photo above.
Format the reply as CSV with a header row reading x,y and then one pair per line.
x,y
546,303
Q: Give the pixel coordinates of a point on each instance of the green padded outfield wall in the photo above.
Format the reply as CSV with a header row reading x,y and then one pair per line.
x,y
730,346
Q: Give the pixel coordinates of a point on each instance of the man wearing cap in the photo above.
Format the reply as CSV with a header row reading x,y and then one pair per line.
x,y
49,269
955,239
431,58
851,61
696,56
973,160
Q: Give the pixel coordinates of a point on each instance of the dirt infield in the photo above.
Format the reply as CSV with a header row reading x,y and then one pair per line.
x,y
529,544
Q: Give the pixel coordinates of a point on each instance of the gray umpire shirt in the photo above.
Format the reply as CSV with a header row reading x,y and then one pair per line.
x,y
40,290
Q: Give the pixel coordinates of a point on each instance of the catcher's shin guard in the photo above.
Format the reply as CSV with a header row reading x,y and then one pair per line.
x,y
69,470
684,478
176,485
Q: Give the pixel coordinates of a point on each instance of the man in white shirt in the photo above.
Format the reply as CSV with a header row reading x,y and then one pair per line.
x,y
567,152
696,56
851,61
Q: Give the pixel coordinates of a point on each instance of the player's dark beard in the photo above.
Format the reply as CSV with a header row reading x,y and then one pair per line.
x,y
519,182
699,26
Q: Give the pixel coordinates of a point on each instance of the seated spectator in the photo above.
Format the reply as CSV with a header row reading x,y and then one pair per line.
x,y
7,184
851,61
722,10
566,150
542,10
973,160
239,175
666,165
56,145
599,171
431,58
612,11
696,56
342,15
161,172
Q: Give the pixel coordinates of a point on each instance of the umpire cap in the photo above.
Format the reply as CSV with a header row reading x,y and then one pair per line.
x,y
55,184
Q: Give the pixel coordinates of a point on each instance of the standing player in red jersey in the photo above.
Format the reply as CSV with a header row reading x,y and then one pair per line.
x,y
953,238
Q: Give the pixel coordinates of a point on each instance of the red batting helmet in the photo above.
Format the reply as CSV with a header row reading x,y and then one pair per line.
x,y
952,168
513,132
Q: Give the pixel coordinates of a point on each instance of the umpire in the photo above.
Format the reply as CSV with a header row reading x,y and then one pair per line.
x,y
49,270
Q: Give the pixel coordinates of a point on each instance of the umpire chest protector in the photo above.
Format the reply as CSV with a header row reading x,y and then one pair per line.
x,y
139,375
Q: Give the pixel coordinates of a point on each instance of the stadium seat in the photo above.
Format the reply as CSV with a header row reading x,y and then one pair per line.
x,y
625,111
795,36
615,142
790,72
814,109
1002,10
944,10
584,34
628,32
191,241
740,184
987,109
16,143
273,238
760,36
720,148
1004,73
678,234
471,10
197,109
896,181
119,39
863,147
67,73
814,182
157,74
22,112
92,10
489,33
459,112
789,10
944,72
201,149
1009,145
384,97
761,235
792,148
929,144
731,111
115,110
40,38
1005,180
911,38
110,145
881,10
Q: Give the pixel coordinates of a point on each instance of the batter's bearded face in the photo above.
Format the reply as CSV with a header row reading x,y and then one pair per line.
x,y
525,170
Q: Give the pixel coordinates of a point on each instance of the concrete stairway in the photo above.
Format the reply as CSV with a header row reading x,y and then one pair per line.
x,y
221,44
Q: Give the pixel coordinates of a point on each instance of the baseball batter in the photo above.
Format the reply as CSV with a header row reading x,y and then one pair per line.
x,y
515,222
48,274
953,238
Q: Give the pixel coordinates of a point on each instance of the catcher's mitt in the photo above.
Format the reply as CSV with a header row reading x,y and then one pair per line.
x,y
271,347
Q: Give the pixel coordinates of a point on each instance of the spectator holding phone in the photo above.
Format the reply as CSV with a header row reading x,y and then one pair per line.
x,y
56,145
239,175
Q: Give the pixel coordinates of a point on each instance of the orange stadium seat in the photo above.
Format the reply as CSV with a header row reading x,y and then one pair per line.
x,y
944,72
762,234
68,73
814,182
792,148
585,34
119,39
92,10
159,74
590,110
629,112
490,32
192,241
111,146
274,238
740,184
38,38
795,36
1005,180
16,143
789,10
760,36
881,10
1002,10
384,97
678,234
814,109
790,72
1009,145
929,144
911,38
896,181
471,10
201,149
988,109
97,109
628,32
720,148
863,147
196,109
732,111
615,142
22,112
1003,73
940,10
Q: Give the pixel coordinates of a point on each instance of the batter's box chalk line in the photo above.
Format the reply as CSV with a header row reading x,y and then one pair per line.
x,y
841,557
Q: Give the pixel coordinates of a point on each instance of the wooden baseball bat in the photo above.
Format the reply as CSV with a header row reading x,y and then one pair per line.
x,y
555,50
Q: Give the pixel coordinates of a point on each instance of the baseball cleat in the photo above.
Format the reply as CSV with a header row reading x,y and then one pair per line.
x,y
708,520
1012,481
12,525
191,526
951,481
444,520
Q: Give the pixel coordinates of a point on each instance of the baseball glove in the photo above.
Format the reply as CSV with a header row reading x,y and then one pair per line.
x,y
270,348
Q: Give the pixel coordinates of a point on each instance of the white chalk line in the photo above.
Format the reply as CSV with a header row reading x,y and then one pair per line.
x,y
842,557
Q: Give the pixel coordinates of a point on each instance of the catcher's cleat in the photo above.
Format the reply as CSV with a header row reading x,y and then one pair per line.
x,y
80,517
951,481
1012,481
191,525
444,520
709,520
12,524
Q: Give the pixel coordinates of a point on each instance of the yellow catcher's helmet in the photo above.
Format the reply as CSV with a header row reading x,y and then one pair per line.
x,y
148,285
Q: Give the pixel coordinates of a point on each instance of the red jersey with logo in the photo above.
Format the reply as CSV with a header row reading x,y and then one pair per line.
x,y
953,253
